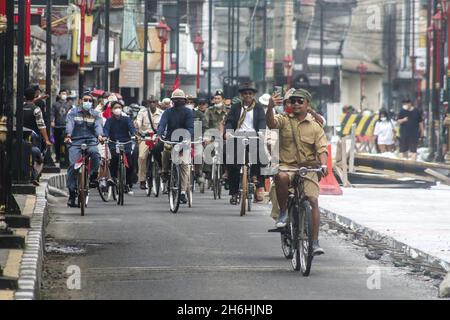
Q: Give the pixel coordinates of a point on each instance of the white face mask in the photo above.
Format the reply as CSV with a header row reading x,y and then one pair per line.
x,y
190,106
117,111
64,97
383,118
405,106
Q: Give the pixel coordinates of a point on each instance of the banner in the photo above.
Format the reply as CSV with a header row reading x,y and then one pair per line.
x,y
131,69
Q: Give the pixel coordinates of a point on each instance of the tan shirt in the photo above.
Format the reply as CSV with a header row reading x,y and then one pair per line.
x,y
310,137
143,122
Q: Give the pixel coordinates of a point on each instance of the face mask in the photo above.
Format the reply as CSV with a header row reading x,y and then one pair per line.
x,y
190,106
64,97
117,111
383,118
405,106
105,101
87,105
218,105
178,103
279,109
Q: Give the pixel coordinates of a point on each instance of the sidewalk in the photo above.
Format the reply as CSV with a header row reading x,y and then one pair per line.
x,y
419,218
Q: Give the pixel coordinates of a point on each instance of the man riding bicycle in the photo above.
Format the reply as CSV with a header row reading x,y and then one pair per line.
x,y
177,117
247,116
147,122
302,143
120,128
83,126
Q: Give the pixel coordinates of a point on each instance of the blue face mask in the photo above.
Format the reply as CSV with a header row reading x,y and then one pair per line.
x,y
87,105
279,109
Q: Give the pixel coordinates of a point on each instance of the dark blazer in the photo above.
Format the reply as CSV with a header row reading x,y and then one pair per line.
x,y
259,117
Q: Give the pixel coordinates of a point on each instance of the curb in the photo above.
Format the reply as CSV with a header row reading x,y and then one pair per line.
x,y
410,252
30,273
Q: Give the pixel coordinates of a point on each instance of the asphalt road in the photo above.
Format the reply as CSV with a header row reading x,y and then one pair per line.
x,y
142,251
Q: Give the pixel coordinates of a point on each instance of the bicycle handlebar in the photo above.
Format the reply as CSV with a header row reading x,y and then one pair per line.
x,y
120,143
303,170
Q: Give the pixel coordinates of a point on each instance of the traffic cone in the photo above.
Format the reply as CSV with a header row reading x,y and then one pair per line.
x,y
329,185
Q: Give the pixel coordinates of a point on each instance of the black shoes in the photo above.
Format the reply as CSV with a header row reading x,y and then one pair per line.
x,y
72,198
234,199
143,185
183,198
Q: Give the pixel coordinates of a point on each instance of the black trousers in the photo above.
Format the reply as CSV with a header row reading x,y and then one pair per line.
x,y
58,134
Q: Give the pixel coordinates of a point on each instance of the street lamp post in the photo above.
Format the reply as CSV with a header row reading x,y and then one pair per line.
x,y
163,35
362,69
84,5
437,25
198,44
288,66
27,41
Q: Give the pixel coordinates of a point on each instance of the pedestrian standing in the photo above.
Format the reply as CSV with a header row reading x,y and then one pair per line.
x,y
384,133
411,129
59,112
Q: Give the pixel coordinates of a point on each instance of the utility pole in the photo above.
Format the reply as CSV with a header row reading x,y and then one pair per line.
x,y
106,66
237,40
428,74
229,47
20,90
178,38
145,89
209,50
321,55
233,6
264,44
413,53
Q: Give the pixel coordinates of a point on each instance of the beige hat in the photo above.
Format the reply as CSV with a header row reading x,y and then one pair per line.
x,y
302,93
178,94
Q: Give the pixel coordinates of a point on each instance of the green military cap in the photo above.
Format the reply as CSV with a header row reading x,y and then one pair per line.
x,y
288,94
302,93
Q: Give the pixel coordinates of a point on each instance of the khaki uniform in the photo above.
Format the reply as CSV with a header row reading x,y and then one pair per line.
x,y
312,142
144,127
215,117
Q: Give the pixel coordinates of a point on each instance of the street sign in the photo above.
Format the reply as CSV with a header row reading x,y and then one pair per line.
x,y
131,69
333,113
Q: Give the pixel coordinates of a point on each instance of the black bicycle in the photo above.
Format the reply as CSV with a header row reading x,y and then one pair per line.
x,y
216,173
153,178
246,187
122,174
106,189
297,236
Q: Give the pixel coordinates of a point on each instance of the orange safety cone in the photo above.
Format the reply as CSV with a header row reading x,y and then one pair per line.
x,y
329,185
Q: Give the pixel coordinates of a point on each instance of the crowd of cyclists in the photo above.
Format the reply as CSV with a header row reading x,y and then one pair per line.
x,y
101,121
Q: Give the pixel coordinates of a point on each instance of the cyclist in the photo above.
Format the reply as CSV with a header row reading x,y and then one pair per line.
x,y
120,128
299,129
83,125
248,116
177,117
147,122
199,115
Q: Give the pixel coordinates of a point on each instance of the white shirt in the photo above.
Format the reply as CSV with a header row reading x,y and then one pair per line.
x,y
385,132
247,125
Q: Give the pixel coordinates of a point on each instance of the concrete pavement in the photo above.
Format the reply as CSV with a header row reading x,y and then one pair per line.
x,y
142,251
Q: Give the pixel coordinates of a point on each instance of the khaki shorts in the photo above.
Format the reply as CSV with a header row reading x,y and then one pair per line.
x,y
311,185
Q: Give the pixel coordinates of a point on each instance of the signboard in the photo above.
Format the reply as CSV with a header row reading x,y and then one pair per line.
x,y
131,69
270,62
43,3
334,111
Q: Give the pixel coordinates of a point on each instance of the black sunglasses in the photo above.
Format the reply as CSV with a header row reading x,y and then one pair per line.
x,y
297,100
87,100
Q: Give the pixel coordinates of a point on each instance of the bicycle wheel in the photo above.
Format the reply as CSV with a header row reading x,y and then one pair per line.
x,y
286,242
103,189
203,183
82,188
295,235
190,193
244,191
120,184
156,182
214,179
219,182
174,188
305,238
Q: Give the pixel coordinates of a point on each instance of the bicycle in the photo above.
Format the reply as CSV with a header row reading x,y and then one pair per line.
x,y
153,179
216,173
105,188
174,185
297,236
83,164
123,163
246,187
